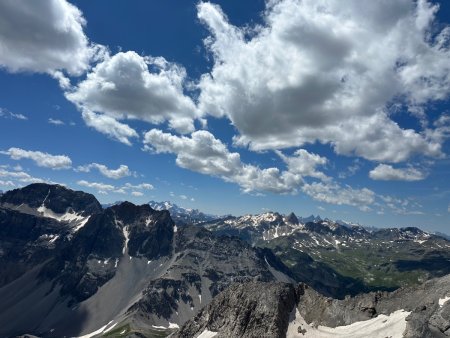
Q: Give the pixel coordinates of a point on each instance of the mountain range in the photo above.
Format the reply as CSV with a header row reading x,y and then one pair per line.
x,y
72,268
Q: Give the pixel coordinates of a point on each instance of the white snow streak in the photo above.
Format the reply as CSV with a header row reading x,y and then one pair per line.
x,y
207,334
125,234
100,330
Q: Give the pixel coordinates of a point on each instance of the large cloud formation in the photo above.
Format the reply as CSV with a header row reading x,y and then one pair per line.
x,y
45,37
319,70
130,86
203,153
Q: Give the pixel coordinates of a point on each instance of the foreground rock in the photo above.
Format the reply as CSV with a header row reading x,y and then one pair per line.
x,y
246,310
282,310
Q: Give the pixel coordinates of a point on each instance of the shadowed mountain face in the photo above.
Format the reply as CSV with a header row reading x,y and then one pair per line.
x,y
69,271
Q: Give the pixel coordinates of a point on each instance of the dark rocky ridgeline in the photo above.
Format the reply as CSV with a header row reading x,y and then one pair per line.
x,y
266,310
246,310
55,197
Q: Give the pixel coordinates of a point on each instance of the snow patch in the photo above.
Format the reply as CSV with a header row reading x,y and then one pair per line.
x,y
173,326
100,330
380,327
175,229
200,297
444,300
69,217
207,334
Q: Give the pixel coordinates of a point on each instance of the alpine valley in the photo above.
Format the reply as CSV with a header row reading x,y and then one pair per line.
x,y
70,267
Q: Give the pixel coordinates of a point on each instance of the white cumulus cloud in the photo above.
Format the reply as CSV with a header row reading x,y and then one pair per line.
x,y
105,189
45,37
130,86
318,70
120,172
385,172
334,193
97,185
41,159
205,154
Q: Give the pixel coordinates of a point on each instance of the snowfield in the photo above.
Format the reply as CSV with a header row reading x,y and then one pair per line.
x,y
380,327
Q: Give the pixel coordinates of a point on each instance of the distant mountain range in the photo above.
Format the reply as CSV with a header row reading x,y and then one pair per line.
x,y
351,259
70,267
183,215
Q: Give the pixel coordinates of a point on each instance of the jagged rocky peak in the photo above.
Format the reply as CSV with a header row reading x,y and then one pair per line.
x,y
292,218
311,218
147,232
52,198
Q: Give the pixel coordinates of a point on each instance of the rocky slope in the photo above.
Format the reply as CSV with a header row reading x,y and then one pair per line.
x,y
71,268
287,310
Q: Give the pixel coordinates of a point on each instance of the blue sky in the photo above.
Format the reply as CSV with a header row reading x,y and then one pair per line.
x,y
233,107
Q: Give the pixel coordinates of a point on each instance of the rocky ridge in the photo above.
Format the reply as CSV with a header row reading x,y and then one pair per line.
x,y
287,310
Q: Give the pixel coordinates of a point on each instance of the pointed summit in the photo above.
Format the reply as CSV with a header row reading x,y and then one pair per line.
x,y
292,218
